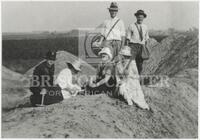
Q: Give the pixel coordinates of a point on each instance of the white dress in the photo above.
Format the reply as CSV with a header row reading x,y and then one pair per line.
x,y
64,80
130,86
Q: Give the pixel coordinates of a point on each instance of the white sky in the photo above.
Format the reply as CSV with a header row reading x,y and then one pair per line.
x,y
63,16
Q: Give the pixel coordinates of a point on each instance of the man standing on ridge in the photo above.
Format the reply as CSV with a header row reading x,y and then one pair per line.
x,y
137,36
113,31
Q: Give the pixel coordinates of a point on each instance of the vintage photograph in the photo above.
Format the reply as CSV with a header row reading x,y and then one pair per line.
x,y
99,69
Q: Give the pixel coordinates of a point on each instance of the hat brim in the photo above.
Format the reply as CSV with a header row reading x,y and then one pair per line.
x,y
110,55
113,9
76,68
50,58
137,14
125,54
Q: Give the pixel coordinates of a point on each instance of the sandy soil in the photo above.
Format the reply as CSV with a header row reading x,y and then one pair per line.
x,y
174,116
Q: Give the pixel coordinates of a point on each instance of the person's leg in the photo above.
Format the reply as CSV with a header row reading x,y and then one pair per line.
x,y
54,95
139,62
116,47
135,55
139,59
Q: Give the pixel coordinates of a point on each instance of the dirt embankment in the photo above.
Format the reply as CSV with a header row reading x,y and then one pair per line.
x,y
175,105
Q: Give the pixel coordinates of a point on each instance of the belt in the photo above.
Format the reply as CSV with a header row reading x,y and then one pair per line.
x,y
113,40
135,44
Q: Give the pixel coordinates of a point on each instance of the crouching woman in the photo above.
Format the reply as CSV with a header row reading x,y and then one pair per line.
x,y
67,79
105,81
128,80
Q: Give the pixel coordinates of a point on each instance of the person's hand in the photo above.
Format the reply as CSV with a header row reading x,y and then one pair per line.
x,y
97,44
74,91
43,91
92,85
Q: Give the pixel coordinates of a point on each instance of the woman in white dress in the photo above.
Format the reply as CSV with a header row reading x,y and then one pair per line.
x,y
65,79
128,80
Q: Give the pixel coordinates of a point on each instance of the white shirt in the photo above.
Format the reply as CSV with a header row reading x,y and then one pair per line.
x,y
134,36
117,32
64,80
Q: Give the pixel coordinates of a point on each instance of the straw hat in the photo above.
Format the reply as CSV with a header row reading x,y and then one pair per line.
x,y
140,12
76,65
107,51
113,7
126,51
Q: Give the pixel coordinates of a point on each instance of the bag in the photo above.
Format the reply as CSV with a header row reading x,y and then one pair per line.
x,y
145,52
145,49
98,36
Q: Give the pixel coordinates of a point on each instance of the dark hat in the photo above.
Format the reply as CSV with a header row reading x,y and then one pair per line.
x,y
140,12
51,55
113,6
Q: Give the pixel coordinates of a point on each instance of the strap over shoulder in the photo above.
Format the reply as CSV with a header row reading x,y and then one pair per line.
x,y
112,28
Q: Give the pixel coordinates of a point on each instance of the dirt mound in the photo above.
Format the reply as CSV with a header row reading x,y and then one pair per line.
x,y
14,88
61,58
175,105
175,116
10,75
174,54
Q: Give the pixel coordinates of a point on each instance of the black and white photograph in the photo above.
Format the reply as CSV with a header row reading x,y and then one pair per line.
x,y
99,69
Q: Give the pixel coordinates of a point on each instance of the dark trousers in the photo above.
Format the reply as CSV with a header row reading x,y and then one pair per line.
x,y
136,51
107,88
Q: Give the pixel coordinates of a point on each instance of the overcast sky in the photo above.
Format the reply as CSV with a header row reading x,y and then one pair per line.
x,y
63,16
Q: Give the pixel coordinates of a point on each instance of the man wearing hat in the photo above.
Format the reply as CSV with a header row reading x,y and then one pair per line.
x,y
113,31
42,86
137,36
67,79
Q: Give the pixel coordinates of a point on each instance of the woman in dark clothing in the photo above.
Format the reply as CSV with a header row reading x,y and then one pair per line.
x,y
44,92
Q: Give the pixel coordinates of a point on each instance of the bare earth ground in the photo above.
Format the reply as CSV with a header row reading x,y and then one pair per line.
x,y
174,116
175,107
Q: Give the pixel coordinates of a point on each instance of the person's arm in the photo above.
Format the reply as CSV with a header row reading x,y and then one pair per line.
x,y
127,41
128,35
105,80
103,31
123,34
123,41
146,36
64,80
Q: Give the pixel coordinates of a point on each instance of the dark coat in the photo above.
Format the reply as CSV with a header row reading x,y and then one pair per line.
x,y
43,77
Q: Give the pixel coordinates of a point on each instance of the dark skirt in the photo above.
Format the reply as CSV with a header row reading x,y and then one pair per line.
x,y
53,96
107,88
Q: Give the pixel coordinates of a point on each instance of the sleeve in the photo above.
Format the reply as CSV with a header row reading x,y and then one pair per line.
x,y
108,70
147,34
129,33
36,78
103,29
122,29
64,79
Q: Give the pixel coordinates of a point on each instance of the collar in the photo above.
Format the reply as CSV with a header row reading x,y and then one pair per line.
x,y
138,24
115,18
